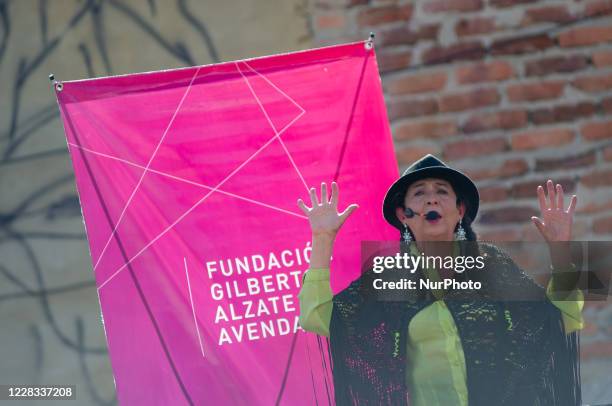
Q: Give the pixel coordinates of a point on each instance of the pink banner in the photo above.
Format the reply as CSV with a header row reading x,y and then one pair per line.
x,y
188,181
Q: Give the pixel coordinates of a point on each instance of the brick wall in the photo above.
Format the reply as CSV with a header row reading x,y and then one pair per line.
x,y
512,92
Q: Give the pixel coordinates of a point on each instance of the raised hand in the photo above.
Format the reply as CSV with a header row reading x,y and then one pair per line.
x,y
323,216
555,222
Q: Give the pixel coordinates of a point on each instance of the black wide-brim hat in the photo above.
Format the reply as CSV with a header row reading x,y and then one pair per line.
x,y
430,167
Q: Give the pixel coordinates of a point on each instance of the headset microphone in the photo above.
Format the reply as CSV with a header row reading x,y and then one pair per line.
x,y
431,215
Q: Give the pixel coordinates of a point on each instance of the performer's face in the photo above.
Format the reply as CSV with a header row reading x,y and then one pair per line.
x,y
424,196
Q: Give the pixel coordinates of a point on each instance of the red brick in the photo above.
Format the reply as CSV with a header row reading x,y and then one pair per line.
x,y
412,108
534,139
429,32
490,194
535,91
397,36
547,14
503,234
475,26
521,45
469,100
606,105
603,225
566,162
411,130
416,83
596,131
556,64
456,52
513,167
602,59
597,178
508,169
384,14
510,214
581,36
607,155
593,84
594,207
598,8
409,154
529,189
468,148
496,120
484,72
391,59
509,3
442,6
330,21
595,305
406,36
567,112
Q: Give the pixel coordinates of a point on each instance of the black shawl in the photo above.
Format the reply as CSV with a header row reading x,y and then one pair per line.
x,y
516,351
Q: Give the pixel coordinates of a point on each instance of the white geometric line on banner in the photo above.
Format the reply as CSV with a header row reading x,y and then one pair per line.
x,y
275,87
195,321
178,107
178,178
297,105
187,212
263,109
198,203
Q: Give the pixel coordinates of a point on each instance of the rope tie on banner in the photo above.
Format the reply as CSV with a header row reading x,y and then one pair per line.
x,y
59,86
369,44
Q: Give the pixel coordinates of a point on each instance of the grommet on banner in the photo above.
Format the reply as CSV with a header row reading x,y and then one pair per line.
x,y
58,85
369,44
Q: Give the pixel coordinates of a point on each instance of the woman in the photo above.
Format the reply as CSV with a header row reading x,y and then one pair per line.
x,y
455,347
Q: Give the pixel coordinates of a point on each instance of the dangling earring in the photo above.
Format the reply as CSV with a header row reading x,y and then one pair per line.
x,y
460,234
406,236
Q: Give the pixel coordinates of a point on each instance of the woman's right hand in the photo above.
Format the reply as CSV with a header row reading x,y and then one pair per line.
x,y
324,217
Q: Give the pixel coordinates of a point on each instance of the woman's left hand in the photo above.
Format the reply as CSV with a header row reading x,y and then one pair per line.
x,y
554,223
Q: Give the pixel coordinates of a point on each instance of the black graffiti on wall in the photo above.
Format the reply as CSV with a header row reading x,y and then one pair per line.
x,y
23,124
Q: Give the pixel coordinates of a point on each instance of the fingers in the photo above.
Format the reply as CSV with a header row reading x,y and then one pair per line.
x,y
560,203
303,206
551,195
542,199
324,199
334,195
572,205
553,198
314,200
539,224
347,212
313,197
